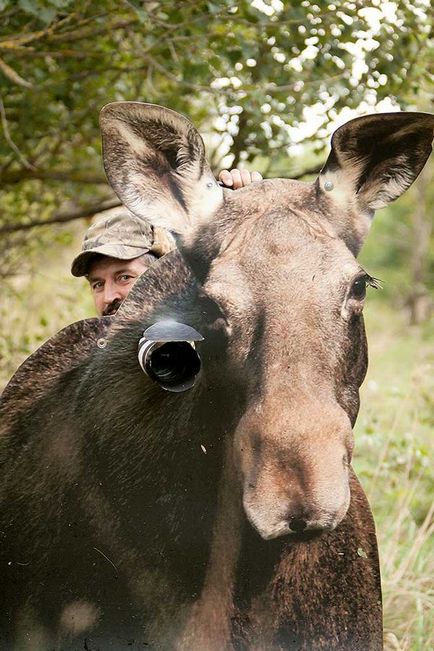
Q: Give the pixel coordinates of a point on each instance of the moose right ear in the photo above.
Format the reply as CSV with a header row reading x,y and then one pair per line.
x,y
154,159
373,160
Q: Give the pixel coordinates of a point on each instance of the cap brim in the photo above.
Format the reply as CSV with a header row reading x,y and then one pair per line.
x,y
80,264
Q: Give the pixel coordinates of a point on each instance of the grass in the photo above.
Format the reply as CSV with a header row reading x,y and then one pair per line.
x,y
393,432
393,448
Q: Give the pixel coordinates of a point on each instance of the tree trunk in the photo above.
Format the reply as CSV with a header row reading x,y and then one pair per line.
x,y
420,301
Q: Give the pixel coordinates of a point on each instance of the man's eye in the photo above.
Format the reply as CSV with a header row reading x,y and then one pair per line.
x,y
125,277
97,286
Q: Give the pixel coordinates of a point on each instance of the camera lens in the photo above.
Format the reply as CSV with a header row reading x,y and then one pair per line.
x,y
173,364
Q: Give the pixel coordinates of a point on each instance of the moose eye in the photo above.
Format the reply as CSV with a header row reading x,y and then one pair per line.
x,y
209,308
358,290
355,298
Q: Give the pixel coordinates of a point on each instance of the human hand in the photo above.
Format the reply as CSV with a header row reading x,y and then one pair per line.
x,y
236,179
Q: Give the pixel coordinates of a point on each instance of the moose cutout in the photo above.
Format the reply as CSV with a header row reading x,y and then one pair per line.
x,y
226,515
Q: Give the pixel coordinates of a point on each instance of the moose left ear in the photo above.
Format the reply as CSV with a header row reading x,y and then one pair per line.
x,y
374,159
155,161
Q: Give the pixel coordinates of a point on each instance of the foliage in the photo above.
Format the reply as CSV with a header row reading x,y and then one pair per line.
x,y
245,72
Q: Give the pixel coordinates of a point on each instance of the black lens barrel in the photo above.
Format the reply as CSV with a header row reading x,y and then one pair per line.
x,y
167,354
173,363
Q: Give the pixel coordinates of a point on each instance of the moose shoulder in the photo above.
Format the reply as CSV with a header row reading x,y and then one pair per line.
x,y
225,516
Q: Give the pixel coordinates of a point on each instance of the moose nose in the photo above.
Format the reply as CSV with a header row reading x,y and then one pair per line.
x,y
297,524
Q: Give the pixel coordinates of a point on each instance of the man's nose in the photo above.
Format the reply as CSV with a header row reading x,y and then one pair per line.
x,y
111,293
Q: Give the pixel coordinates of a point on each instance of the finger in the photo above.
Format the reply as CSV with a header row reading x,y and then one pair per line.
x,y
246,177
237,180
226,178
256,176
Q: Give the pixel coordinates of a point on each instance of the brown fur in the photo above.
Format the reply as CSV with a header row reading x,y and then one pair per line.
x,y
40,370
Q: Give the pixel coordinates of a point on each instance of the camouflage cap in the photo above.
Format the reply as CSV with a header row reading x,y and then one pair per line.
x,y
123,236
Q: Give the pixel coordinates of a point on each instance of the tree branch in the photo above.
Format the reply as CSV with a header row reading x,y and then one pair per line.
x,y
11,42
94,209
9,140
62,218
13,76
51,175
55,54
91,33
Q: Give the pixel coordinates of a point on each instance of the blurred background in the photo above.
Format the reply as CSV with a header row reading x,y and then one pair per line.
x,y
266,82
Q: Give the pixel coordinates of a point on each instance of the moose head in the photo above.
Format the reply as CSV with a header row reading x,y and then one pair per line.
x,y
275,267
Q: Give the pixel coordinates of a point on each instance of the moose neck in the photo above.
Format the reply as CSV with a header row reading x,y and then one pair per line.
x,y
161,468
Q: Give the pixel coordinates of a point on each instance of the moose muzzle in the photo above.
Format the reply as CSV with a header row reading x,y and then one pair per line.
x,y
295,472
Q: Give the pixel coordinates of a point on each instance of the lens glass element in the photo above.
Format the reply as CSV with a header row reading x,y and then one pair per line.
x,y
173,363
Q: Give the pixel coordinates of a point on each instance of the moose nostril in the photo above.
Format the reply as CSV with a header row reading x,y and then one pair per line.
x,y
297,524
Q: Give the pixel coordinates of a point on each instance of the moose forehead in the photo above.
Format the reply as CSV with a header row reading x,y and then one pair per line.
x,y
278,229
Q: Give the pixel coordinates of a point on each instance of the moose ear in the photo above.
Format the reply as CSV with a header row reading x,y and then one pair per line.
x,y
374,159
155,161
47,366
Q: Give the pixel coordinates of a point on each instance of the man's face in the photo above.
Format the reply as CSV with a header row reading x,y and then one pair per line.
x,y
111,279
